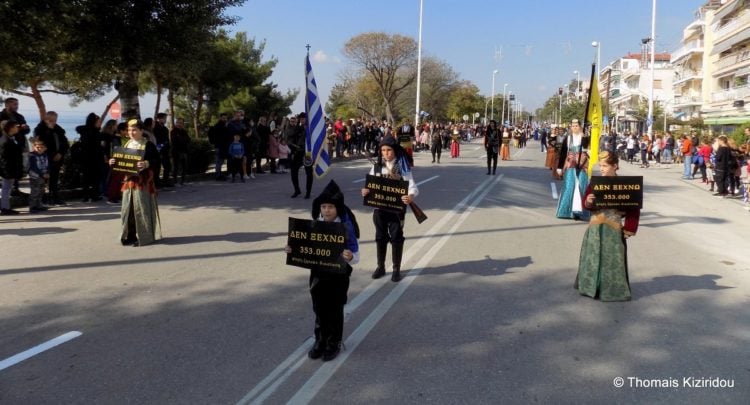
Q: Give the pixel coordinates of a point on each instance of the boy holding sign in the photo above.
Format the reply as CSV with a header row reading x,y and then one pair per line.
x,y
393,162
329,289
603,264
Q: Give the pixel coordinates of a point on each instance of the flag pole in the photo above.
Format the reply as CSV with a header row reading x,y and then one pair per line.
x,y
586,124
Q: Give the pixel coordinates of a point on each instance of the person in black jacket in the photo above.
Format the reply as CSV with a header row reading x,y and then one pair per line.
x,y
180,141
92,156
57,144
220,138
297,146
11,162
161,133
11,113
723,165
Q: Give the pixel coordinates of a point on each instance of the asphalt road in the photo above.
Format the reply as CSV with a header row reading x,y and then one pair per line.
x,y
487,313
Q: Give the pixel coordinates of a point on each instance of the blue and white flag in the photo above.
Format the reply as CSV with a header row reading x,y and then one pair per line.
x,y
316,146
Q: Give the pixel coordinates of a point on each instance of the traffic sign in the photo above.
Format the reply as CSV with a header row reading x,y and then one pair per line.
x,y
115,112
466,117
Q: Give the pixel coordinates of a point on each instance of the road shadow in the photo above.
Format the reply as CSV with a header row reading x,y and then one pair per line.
x,y
236,237
36,231
481,267
660,285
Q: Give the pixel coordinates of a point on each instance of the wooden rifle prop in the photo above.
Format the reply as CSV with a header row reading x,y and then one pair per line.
x,y
418,213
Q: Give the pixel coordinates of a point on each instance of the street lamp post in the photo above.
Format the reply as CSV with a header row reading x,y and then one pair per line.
x,y
492,103
503,118
578,82
502,114
598,46
650,120
419,66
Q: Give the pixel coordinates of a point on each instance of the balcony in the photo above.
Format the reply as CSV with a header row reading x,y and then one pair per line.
x,y
735,93
732,61
691,47
736,24
687,100
626,74
686,76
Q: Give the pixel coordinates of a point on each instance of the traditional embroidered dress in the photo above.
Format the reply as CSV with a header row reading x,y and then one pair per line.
x,y
505,147
575,178
603,264
140,212
455,147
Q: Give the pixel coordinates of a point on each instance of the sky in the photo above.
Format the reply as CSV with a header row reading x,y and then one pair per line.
x,y
535,44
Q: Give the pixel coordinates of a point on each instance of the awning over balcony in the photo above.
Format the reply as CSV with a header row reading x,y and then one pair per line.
x,y
727,120
727,9
736,39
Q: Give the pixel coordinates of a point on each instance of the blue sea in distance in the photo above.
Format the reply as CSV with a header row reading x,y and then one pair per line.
x,y
68,120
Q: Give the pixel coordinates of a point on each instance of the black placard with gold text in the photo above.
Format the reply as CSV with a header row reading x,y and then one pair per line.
x,y
617,192
126,160
317,244
386,193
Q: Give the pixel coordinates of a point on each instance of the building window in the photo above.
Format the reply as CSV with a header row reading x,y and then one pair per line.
x,y
657,84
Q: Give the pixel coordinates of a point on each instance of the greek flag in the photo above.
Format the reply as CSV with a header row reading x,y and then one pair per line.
x,y
316,147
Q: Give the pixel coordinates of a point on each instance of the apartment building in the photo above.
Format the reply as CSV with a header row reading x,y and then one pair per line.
x,y
625,84
725,92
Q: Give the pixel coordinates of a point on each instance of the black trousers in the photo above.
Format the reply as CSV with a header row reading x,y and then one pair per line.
x,y
491,159
328,292
389,227
297,163
436,151
166,163
54,180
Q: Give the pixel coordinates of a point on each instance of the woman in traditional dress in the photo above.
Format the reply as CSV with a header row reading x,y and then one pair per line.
x,y
139,212
603,264
455,144
551,160
572,165
505,144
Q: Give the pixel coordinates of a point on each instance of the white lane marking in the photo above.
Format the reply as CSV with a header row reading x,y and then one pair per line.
x,y
13,360
263,390
418,184
426,180
554,190
326,371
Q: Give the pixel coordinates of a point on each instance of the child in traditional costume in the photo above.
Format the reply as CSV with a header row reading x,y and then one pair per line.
x,y
603,264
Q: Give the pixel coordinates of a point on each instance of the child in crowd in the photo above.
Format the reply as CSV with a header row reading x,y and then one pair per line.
x,y
38,175
329,289
236,155
283,155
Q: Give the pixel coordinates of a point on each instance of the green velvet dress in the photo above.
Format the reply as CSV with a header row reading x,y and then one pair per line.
x,y
603,263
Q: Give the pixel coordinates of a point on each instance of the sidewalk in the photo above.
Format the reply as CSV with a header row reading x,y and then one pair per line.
x,y
674,171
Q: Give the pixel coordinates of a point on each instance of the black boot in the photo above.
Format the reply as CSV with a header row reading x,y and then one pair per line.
x,y
332,350
382,248
396,253
317,350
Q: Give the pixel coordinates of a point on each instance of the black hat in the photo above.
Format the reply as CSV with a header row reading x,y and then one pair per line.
x,y
302,115
330,195
389,141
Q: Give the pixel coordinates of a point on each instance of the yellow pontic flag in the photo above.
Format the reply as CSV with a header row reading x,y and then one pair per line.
x,y
594,116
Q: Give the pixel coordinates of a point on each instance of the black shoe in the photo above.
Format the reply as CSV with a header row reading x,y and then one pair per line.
x,y
307,196
59,202
488,173
331,351
396,276
9,211
317,350
95,199
41,208
379,272
17,193
126,242
136,244
296,194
